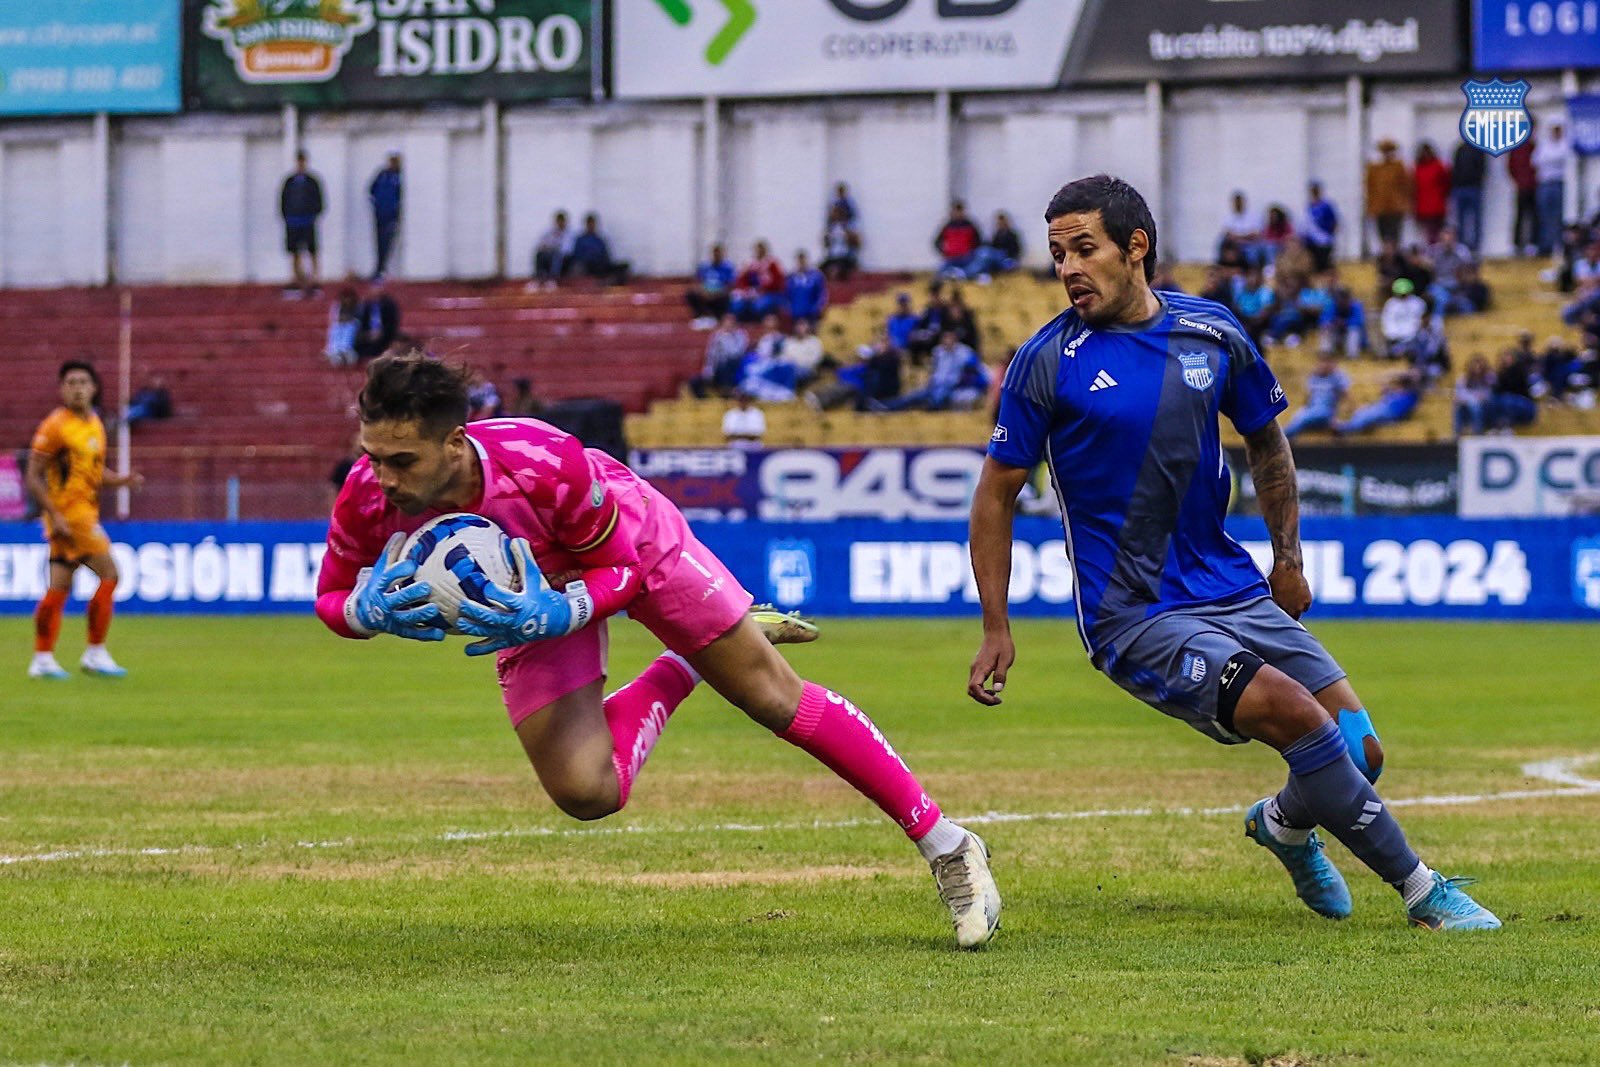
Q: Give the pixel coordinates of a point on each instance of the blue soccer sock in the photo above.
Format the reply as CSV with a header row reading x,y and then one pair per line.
x,y
1326,789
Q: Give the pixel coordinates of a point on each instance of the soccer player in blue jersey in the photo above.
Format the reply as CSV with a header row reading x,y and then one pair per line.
x,y
1121,394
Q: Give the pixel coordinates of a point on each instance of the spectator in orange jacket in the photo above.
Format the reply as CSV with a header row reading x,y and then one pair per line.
x,y
1431,199
1388,191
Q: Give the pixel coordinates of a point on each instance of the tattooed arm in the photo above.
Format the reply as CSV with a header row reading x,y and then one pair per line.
x,y
1272,468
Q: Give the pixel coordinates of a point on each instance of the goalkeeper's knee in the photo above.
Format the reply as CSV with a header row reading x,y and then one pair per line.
x,y
1366,752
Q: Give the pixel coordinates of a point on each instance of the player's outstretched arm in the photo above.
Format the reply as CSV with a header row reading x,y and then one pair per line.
x,y
1278,494
378,604
532,612
994,505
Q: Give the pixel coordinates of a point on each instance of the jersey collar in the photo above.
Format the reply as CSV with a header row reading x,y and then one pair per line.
x,y
1143,324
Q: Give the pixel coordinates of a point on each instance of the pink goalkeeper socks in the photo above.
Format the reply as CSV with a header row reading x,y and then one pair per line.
x,y
638,712
840,736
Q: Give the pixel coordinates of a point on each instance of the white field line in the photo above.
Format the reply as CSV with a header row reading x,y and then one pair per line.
x,y
1562,771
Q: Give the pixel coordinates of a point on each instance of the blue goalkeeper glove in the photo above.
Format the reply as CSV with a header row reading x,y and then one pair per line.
x,y
375,606
536,613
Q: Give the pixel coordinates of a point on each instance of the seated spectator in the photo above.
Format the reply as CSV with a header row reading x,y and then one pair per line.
x,y
1446,257
151,401
378,321
1218,285
1555,370
1586,270
1474,392
1401,394
957,242
961,319
1231,256
1253,302
902,320
744,424
708,297
758,290
805,291
483,401
726,349
958,379
1300,312
1402,318
1242,228
343,325
1393,263
1430,353
803,351
591,254
873,377
1343,320
1276,233
1000,254
553,251
1512,403
1326,388
766,375
524,403
930,324
1471,293
841,244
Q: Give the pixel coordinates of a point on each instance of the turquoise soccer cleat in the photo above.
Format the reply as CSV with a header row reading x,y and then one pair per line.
x,y
98,662
1316,880
48,669
1447,907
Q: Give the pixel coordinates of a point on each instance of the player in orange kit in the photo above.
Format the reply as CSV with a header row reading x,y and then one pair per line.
x,y
65,473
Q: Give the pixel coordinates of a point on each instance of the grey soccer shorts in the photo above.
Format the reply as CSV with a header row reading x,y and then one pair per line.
x,y
1187,663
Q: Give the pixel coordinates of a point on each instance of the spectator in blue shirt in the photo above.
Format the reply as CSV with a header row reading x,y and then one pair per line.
x,y
1344,320
901,322
591,254
1253,302
1326,386
958,377
805,291
708,296
385,196
1319,230
1401,395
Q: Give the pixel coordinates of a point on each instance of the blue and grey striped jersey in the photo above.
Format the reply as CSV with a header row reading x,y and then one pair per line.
x,y
1126,416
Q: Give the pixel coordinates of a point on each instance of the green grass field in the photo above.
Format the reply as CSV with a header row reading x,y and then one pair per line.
x,y
268,846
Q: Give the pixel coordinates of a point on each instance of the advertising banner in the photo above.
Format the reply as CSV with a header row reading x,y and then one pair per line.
x,y
933,484
1362,480
1524,35
1424,567
337,53
1200,40
76,57
1528,476
1584,115
13,494
673,48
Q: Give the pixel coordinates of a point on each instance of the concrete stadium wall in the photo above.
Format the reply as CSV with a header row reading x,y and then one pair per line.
x,y
193,198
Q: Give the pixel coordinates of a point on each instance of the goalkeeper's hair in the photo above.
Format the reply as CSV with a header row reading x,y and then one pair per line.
x,y
414,387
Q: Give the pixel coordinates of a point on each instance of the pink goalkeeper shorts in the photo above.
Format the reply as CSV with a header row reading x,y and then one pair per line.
x,y
689,599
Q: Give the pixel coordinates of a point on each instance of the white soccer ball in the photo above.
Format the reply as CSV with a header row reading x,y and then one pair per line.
x,y
458,555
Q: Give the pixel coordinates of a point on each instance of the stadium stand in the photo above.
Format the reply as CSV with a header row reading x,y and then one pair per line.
x,y
1013,306
254,398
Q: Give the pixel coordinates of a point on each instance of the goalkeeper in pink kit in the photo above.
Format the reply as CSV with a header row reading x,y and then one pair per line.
x,y
571,511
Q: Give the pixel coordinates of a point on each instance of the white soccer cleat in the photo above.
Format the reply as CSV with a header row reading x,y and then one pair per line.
x,y
783,628
98,662
968,889
44,666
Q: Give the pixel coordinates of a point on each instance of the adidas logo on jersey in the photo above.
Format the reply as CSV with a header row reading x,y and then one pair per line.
x,y
1102,381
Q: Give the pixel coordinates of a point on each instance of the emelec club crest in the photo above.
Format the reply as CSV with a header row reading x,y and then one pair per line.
x,y
1496,120
1196,370
287,40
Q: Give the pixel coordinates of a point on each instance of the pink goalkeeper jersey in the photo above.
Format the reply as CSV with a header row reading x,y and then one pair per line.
x,y
579,508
